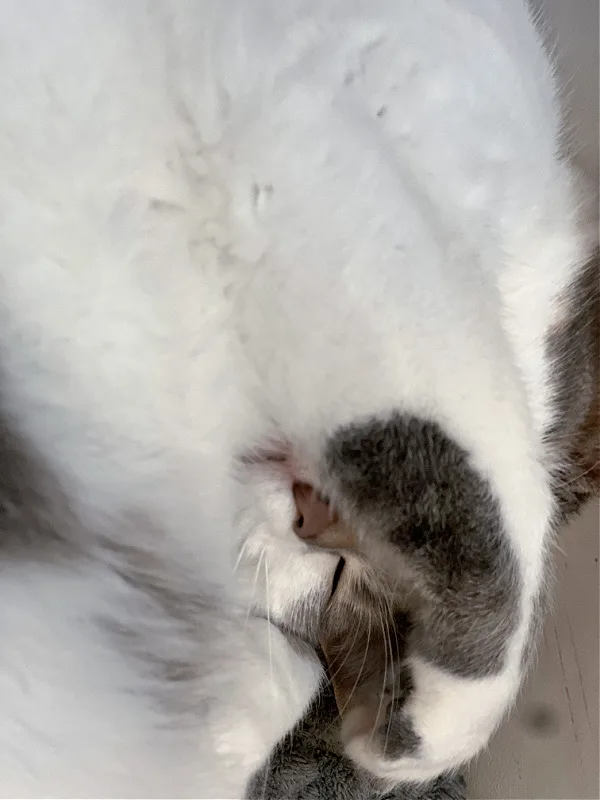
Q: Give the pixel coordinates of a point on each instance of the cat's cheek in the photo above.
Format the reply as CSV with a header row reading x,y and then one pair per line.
x,y
280,577
297,593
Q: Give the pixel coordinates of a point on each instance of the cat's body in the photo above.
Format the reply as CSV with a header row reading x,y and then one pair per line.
x,y
224,225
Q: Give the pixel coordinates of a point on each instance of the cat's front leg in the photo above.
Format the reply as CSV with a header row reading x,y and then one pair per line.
x,y
267,687
444,722
429,520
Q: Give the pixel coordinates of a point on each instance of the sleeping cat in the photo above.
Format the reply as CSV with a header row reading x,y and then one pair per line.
x,y
341,232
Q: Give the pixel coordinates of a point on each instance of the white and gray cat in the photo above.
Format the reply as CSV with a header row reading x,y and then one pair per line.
x,y
344,231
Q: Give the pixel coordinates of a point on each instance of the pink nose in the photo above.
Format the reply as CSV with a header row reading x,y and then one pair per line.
x,y
313,515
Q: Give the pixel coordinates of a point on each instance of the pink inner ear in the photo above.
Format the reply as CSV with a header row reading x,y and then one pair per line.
x,y
314,515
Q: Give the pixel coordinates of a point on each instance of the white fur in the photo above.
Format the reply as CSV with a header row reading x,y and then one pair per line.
x,y
366,195
439,701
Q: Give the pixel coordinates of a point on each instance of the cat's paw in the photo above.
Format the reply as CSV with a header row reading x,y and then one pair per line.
x,y
427,723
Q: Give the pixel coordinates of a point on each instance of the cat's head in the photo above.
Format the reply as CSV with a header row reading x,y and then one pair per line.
x,y
428,583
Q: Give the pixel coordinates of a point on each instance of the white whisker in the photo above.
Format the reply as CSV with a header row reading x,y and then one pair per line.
x,y
385,659
389,723
255,584
356,682
241,554
269,623
348,651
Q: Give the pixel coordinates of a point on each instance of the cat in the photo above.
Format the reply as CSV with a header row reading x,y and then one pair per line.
x,y
341,232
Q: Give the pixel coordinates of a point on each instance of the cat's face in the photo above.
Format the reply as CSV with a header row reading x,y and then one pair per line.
x,y
366,624
411,589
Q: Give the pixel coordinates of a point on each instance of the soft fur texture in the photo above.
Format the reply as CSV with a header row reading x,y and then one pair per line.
x,y
341,229
309,765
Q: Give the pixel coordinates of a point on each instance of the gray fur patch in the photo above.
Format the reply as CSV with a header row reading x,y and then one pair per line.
x,y
397,733
573,439
35,519
406,482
